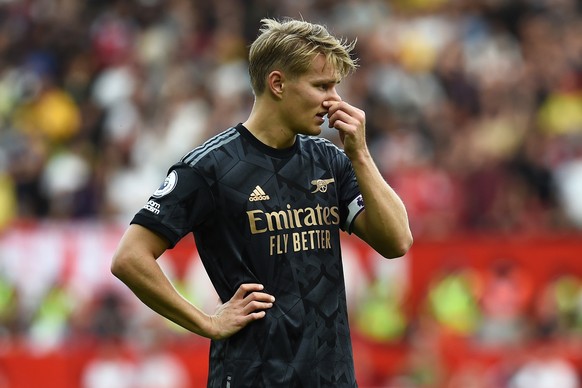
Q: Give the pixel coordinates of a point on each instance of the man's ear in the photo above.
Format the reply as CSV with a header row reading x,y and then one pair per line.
x,y
275,81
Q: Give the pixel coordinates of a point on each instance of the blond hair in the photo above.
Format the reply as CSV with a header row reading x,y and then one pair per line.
x,y
290,46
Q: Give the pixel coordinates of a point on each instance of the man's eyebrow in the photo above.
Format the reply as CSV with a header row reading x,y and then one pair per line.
x,y
329,81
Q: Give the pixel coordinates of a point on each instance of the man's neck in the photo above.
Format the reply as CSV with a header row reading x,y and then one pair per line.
x,y
266,126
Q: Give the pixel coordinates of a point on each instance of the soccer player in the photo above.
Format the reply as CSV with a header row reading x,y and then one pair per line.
x,y
266,200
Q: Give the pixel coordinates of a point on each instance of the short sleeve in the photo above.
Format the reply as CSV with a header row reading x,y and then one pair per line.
x,y
181,204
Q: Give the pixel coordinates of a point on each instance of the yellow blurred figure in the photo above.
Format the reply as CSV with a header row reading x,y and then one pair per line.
x,y
561,113
7,200
53,115
417,55
417,5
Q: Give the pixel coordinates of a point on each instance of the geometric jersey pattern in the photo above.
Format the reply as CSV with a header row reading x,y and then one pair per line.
x,y
273,217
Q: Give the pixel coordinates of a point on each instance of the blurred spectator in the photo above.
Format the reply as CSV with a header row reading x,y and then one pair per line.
x,y
156,365
111,367
8,311
545,369
50,324
8,200
66,184
14,317
505,300
452,300
569,188
558,309
379,311
424,364
379,315
108,317
49,114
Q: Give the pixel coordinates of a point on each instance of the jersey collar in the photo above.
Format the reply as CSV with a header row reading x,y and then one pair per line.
x,y
275,152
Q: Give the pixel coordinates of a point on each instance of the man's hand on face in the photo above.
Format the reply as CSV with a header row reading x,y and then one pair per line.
x,y
248,304
351,124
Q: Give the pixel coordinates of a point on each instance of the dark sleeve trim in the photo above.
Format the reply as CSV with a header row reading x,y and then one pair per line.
x,y
157,228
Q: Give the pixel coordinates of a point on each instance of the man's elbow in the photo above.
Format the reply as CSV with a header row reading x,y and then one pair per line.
x,y
120,264
405,245
399,248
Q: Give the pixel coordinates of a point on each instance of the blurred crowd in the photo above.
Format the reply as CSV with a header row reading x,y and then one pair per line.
x,y
474,108
493,327
501,323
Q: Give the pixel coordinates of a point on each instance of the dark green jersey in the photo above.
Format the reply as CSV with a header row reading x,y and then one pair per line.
x,y
269,216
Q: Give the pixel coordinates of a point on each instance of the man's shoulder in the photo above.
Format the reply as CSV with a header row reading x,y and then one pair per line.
x,y
321,145
211,146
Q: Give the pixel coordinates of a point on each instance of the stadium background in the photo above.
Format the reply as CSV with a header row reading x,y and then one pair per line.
x,y
474,115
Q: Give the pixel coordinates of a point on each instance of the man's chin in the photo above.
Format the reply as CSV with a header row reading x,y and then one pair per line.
x,y
312,131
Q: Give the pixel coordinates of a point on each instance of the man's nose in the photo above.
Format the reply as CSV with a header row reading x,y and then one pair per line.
x,y
334,95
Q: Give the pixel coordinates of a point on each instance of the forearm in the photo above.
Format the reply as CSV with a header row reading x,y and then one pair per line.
x,y
384,225
143,275
135,264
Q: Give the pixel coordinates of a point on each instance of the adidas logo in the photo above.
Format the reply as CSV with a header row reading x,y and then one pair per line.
x,y
258,195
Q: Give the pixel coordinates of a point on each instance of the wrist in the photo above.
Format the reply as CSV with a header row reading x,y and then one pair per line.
x,y
362,156
210,329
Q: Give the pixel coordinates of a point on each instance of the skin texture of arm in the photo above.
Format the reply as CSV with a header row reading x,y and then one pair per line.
x,y
384,223
135,264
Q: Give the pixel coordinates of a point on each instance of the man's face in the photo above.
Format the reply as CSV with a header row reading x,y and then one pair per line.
x,y
303,98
